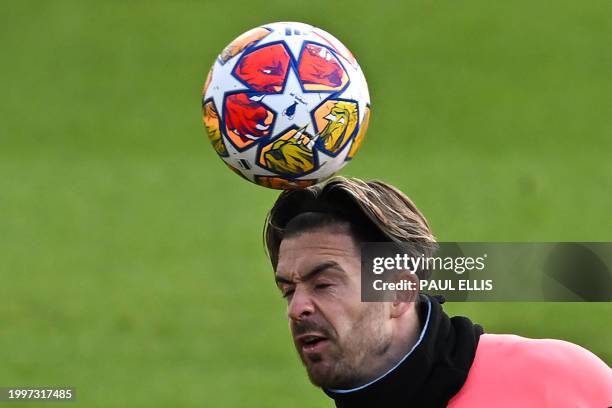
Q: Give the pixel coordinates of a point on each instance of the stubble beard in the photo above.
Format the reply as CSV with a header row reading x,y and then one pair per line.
x,y
348,362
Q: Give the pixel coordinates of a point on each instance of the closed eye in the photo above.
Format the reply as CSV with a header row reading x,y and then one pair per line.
x,y
288,293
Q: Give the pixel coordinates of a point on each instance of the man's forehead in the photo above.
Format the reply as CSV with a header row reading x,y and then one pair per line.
x,y
298,253
337,241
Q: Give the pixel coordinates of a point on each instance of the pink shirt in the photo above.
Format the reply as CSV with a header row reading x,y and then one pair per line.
x,y
513,371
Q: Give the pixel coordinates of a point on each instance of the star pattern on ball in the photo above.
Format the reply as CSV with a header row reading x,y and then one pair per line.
x,y
293,106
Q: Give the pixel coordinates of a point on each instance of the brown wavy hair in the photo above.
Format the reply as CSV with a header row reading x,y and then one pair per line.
x,y
374,210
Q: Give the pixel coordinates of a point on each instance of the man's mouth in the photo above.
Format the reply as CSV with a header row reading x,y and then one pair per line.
x,y
312,343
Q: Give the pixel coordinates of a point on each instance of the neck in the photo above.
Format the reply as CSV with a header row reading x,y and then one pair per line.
x,y
405,335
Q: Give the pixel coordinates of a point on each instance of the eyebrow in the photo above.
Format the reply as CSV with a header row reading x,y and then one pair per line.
x,y
313,272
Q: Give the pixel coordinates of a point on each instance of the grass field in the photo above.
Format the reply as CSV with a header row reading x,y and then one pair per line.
x,y
131,260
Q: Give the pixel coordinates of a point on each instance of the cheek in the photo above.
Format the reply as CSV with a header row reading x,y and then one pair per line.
x,y
369,323
343,316
342,307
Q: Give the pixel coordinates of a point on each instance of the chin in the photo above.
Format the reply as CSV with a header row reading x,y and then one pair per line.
x,y
320,378
325,375
320,373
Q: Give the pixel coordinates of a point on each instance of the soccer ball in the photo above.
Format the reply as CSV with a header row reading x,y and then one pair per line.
x,y
286,105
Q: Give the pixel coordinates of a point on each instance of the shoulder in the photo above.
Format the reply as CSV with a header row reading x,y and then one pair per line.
x,y
518,370
540,354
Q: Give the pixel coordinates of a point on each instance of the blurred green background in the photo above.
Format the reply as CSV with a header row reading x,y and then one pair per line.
x,y
131,259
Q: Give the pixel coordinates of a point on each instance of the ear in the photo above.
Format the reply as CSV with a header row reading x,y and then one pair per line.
x,y
405,299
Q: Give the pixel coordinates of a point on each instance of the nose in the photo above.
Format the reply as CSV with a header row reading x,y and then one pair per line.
x,y
300,305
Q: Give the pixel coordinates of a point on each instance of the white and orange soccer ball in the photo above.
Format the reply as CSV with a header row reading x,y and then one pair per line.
x,y
286,105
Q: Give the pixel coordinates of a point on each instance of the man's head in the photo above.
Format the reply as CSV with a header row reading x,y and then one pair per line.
x,y
313,238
